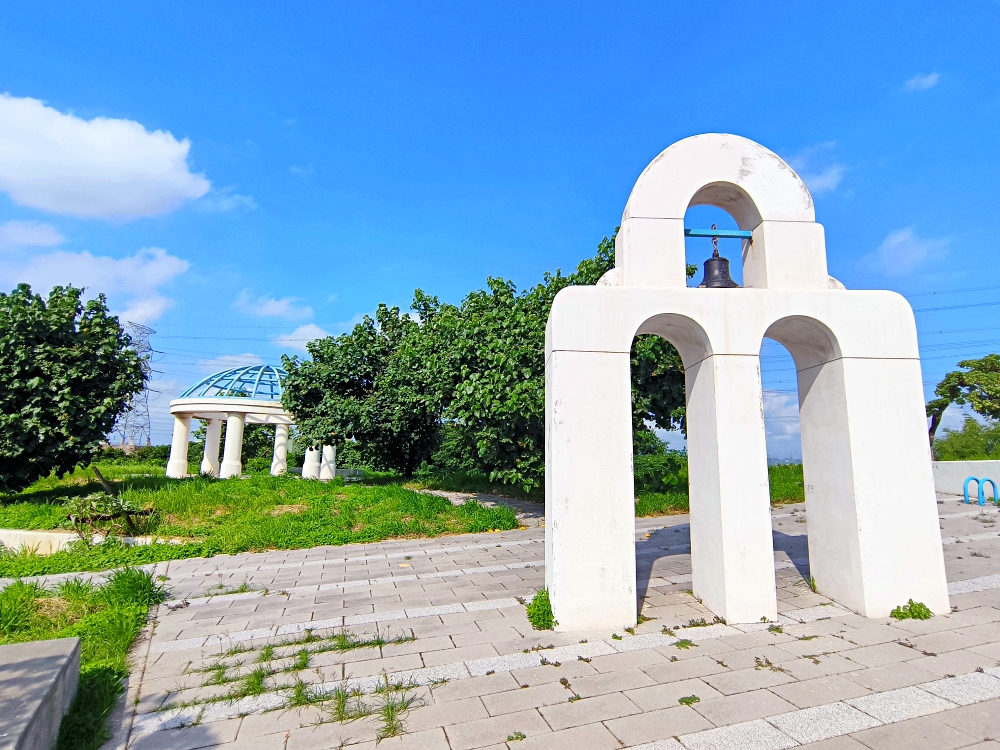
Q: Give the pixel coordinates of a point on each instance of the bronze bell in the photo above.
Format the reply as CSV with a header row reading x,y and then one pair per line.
x,y
717,270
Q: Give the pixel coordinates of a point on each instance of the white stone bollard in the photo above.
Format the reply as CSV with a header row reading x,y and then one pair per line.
x,y
328,465
310,466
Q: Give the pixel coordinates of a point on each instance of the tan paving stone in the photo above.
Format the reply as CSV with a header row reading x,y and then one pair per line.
x,y
733,709
274,722
444,714
883,653
612,682
512,701
657,725
925,733
430,739
954,662
980,720
666,696
589,737
452,656
745,680
588,710
474,686
822,690
493,731
837,743
686,669
890,676
188,738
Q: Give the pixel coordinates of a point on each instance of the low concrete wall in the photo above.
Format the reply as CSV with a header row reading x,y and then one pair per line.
x,y
38,682
41,542
950,476
47,542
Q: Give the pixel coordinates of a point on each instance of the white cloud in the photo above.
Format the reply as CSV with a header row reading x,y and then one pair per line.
x,y
224,199
28,234
131,283
302,335
922,82
903,252
228,362
818,170
303,172
268,306
97,169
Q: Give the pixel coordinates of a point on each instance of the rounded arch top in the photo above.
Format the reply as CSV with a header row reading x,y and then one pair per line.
x,y
750,182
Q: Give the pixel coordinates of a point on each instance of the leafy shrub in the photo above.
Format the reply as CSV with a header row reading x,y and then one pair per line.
x,y
975,441
786,483
912,611
539,611
666,472
661,503
257,465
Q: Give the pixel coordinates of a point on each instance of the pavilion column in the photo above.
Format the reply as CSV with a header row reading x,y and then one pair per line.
x,y
279,464
231,458
177,466
210,461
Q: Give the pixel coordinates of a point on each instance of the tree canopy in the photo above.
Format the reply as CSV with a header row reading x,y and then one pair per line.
x,y
460,387
66,373
977,384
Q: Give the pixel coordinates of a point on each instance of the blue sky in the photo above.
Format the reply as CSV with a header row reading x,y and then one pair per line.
x,y
258,174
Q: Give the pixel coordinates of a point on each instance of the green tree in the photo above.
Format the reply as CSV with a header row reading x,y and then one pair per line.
x,y
66,373
977,384
382,386
461,388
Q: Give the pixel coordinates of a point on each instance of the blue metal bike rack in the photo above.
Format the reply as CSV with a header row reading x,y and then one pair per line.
x,y
979,486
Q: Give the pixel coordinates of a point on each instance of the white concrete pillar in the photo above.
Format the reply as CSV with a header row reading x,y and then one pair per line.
x,y
328,464
590,503
232,464
177,466
210,460
310,465
874,541
732,552
279,463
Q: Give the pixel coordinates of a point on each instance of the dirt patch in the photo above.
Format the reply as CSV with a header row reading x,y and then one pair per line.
x,y
280,510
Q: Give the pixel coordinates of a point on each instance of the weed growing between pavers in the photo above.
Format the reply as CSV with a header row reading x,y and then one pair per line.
x,y
105,618
344,702
689,700
912,611
539,611
205,516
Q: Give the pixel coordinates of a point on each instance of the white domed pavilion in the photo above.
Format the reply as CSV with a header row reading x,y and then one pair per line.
x,y
240,396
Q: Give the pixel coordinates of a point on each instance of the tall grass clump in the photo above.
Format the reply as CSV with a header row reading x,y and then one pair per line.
x,y
105,618
787,483
203,516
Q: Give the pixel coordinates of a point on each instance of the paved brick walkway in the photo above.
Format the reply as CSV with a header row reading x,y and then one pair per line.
x,y
452,657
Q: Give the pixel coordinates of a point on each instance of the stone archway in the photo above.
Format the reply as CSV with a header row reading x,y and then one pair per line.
x,y
860,385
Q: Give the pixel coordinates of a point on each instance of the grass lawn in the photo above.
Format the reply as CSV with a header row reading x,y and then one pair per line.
x,y
106,619
209,516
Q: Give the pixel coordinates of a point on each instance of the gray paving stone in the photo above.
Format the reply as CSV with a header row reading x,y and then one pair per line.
x,y
494,731
965,689
899,705
749,735
823,722
667,696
